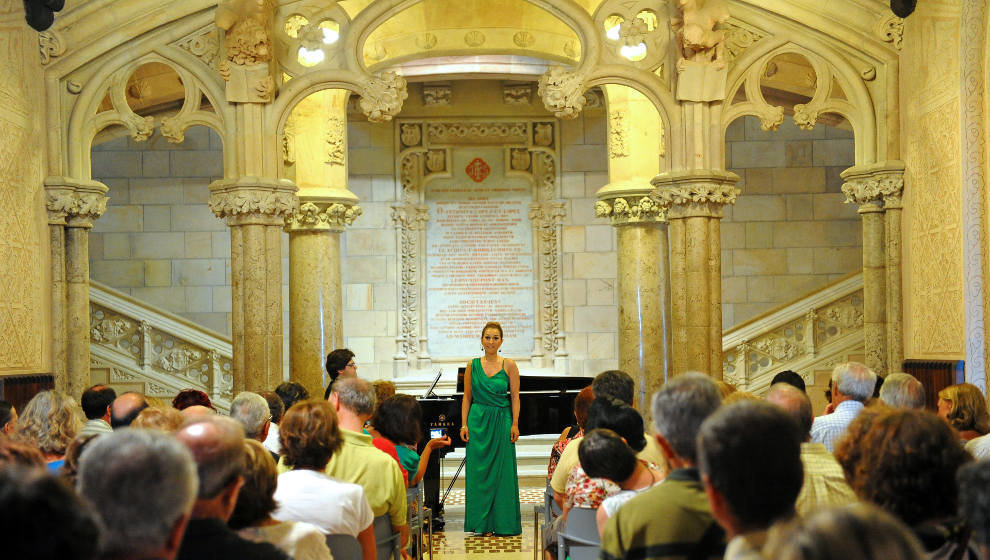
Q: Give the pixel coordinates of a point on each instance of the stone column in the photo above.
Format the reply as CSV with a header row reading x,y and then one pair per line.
x,y
872,187
72,207
255,209
694,200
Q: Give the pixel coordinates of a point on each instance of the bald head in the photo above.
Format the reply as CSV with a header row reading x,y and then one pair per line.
x,y
902,390
217,446
796,403
125,409
197,411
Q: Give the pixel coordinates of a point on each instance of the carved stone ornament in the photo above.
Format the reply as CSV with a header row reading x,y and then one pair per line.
x,y
870,184
562,92
523,39
436,95
178,359
738,39
109,329
204,46
51,45
519,94
543,134
778,348
489,132
247,24
74,203
336,129
436,161
410,134
891,30
253,197
697,193
382,96
520,159
628,210
618,132
474,38
324,215
697,36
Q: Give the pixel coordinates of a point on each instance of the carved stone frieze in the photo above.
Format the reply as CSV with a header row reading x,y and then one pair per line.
x,y
436,95
562,92
547,217
779,348
336,149
51,46
627,210
382,96
487,132
178,360
410,220
74,203
874,183
249,198
518,94
109,329
323,215
891,30
698,193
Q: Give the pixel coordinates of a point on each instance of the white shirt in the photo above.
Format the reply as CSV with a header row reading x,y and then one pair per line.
x,y
334,507
301,541
829,429
271,442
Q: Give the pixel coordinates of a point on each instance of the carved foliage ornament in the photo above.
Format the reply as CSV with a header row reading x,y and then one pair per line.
x,y
562,92
436,95
205,47
247,23
631,209
618,132
253,201
51,45
62,204
862,190
332,216
738,40
891,30
704,192
383,96
697,36
335,141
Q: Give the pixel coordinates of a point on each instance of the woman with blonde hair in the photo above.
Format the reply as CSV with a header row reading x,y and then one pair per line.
x,y
50,421
166,419
965,408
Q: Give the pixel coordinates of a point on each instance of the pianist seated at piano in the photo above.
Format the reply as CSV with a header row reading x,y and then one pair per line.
x,y
399,419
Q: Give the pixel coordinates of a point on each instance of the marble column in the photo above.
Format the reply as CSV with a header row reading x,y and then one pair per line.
x,y
694,200
895,304
72,207
255,210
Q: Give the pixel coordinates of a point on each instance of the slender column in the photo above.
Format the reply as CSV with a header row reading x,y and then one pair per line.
x,y
895,304
255,209
694,200
56,234
874,287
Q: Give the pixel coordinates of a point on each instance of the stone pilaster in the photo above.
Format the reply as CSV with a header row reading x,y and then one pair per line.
x,y
72,207
694,200
255,209
877,189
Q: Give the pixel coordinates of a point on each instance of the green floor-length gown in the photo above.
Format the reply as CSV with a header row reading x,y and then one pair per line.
x,y
491,483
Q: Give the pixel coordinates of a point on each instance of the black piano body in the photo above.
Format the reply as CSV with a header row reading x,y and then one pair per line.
x,y
546,406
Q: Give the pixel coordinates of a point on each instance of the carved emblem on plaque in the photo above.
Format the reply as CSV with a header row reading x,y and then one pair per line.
x,y
477,170
520,159
410,134
543,134
435,161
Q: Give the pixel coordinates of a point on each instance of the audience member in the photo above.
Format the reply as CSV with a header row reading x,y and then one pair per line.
x,y
791,378
252,411
725,389
252,517
974,502
399,419
8,418
581,403
674,515
615,384
217,447
70,469
857,532
824,482
166,419
14,453
95,403
752,475
383,390
906,464
965,408
902,390
158,402
848,451
340,363
125,409
852,385
291,392
276,408
42,519
197,411
310,438
739,396
192,397
50,421
142,485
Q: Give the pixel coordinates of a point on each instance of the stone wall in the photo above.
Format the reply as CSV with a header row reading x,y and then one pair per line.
x,y
789,232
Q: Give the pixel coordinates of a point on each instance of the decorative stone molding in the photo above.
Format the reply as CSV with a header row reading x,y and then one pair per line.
x,y
204,45
618,131
51,45
382,96
622,210
692,193
253,200
738,39
643,26
891,30
410,220
547,217
323,214
336,135
486,132
519,94
436,95
562,92
73,202
865,184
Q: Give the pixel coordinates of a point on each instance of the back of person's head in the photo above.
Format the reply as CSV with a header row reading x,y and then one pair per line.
x,y
725,389
251,410
614,384
43,518
256,500
399,418
854,380
6,413
603,454
792,378
383,390
616,415
968,409
95,401
70,468
276,408
974,498
581,403
796,403
167,419
192,397
750,453
140,482
679,408
50,420
902,390
337,360
291,392
848,451
856,532
309,434
16,453
907,463
216,444
356,395
125,408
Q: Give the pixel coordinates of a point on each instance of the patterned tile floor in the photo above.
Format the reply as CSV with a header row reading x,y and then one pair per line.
x,y
454,544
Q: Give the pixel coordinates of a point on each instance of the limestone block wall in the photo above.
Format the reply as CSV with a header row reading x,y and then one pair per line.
x,y
789,232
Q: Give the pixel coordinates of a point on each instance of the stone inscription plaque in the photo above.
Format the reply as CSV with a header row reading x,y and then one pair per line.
x,y
479,259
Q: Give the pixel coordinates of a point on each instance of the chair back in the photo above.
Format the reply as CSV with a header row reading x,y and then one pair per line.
x,y
385,539
579,538
550,507
344,547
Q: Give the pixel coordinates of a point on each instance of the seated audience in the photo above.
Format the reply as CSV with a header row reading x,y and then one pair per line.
x,y
8,418
125,409
750,457
581,403
852,386
276,408
50,421
791,378
674,515
197,411
14,453
252,517
291,392
965,408
906,463
192,397
725,389
738,396
858,532
142,485
902,390
166,419
95,403
217,447
399,419
383,390
251,410
974,502
43,519
310,438
340,363
70,468
824,481
605,454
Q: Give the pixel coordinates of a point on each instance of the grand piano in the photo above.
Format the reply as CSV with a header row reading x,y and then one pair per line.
x,y
546,406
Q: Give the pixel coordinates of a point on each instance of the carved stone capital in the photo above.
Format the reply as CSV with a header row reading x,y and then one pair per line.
x,y
695,193
548,214
874,183
383,96
562,92
324,213
629,203
73,202
253,200
412,217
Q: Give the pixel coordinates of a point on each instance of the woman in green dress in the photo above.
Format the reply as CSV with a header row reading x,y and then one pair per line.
x,y
490,427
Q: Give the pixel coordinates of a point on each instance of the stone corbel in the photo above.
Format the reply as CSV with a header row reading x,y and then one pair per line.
x,y
253,200
629,203
562,92
247,67
874,183
324,213
382,96
73,202
695,193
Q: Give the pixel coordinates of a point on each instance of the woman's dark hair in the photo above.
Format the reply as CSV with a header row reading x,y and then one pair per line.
x,y
276,408
399,418
191,397
603,454
309,435
619,417
291,392
336,361
256,500
5,413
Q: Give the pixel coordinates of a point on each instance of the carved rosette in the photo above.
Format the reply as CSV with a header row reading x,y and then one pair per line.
x,y
382,96
323,215
695,194
632,209
874,184
74,203
562,92
253,200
